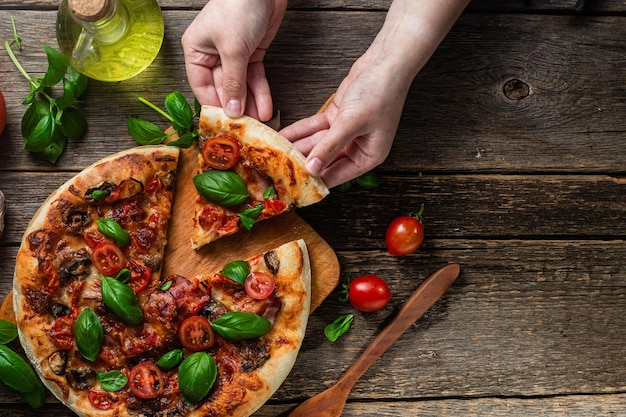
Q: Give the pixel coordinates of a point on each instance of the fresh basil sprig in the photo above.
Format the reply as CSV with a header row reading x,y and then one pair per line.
x,y
238,271
221,187
112,229
49,122
338,327
239,325
121,300
179,114
19,375
196,376
367,180
8,332
170,360
112,380
89,334
249,216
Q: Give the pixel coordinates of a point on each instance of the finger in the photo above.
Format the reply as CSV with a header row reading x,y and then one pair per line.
x,y
234,70
331,145
306,127
341,171
260,90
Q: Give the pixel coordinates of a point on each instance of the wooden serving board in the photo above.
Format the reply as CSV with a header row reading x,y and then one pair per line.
x,y
267,234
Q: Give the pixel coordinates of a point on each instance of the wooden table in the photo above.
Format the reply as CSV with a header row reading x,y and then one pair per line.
x,y
512,137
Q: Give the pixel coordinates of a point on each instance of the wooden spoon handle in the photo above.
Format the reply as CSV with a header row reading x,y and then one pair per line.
x,y
422,299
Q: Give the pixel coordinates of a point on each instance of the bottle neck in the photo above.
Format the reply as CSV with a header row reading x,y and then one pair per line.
x,y
106,24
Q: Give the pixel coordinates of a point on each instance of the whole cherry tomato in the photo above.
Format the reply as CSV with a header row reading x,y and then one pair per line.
x,y
3,113
368,293
405,234
146,380
196,334
221,152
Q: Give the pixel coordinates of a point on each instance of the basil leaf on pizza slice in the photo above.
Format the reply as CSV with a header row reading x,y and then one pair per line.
x,y
247,172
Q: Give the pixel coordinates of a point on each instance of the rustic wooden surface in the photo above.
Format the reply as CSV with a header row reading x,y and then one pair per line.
x,y
512,137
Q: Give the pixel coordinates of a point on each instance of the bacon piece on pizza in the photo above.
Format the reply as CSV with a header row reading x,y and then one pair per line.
x,y
246,172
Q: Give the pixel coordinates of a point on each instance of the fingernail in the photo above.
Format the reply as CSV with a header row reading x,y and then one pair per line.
x,y
314,166
233,108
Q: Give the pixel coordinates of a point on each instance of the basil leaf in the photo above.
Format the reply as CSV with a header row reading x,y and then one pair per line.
x,y
368,180
338,327
239,325
238,271
269,193
35,112
196,376
41,135
88,333
221,187
57,66
185,141
99,194
78,81
112,229
249,216
180,111
8,332
145,133
113,380
166,286
123,276
170,360
54,149
121,300
73,124
19,375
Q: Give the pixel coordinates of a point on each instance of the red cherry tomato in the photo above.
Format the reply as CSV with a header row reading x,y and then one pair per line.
x,y
108,259
368,293
146,380
404,235
259,285
139,275
3,113
103,400
196,334
221,152
62,332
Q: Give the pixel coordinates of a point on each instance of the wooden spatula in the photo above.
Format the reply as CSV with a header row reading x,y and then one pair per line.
x,y
330,403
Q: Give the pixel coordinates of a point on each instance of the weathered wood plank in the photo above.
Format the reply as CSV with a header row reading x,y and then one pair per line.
x,y
456,206
456,117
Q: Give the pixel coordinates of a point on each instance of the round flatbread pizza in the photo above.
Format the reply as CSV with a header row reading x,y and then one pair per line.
x,y
110,336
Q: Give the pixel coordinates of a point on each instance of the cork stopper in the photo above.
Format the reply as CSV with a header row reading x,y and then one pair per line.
x,y
89,10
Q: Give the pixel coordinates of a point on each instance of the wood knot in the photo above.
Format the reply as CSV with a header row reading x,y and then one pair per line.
x,y
515,89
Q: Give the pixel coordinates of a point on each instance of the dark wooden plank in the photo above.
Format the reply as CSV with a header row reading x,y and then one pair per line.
x,y
456,206
456,118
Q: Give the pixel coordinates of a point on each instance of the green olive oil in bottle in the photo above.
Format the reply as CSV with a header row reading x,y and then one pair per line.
x,y
110,40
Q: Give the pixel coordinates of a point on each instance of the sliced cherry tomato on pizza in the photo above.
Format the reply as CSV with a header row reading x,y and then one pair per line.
x,y
103,400
108,259
221,152
146,380
259,285
139,275
368,293
196,334
62,332
405,234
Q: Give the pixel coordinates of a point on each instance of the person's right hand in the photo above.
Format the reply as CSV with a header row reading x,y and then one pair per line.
x,y
224,49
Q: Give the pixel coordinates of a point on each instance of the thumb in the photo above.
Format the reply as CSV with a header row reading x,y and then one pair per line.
x,y
234,84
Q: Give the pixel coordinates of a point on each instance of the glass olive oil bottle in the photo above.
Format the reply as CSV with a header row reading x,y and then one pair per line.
x,y
110,40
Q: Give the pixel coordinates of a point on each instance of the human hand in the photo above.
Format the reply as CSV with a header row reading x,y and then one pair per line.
x,y
224,48
355,133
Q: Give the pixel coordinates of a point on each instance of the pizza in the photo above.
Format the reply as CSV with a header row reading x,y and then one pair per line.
x,y
246,172
110,336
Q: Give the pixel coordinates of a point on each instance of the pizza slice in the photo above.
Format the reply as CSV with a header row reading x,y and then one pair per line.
x,y
246,172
